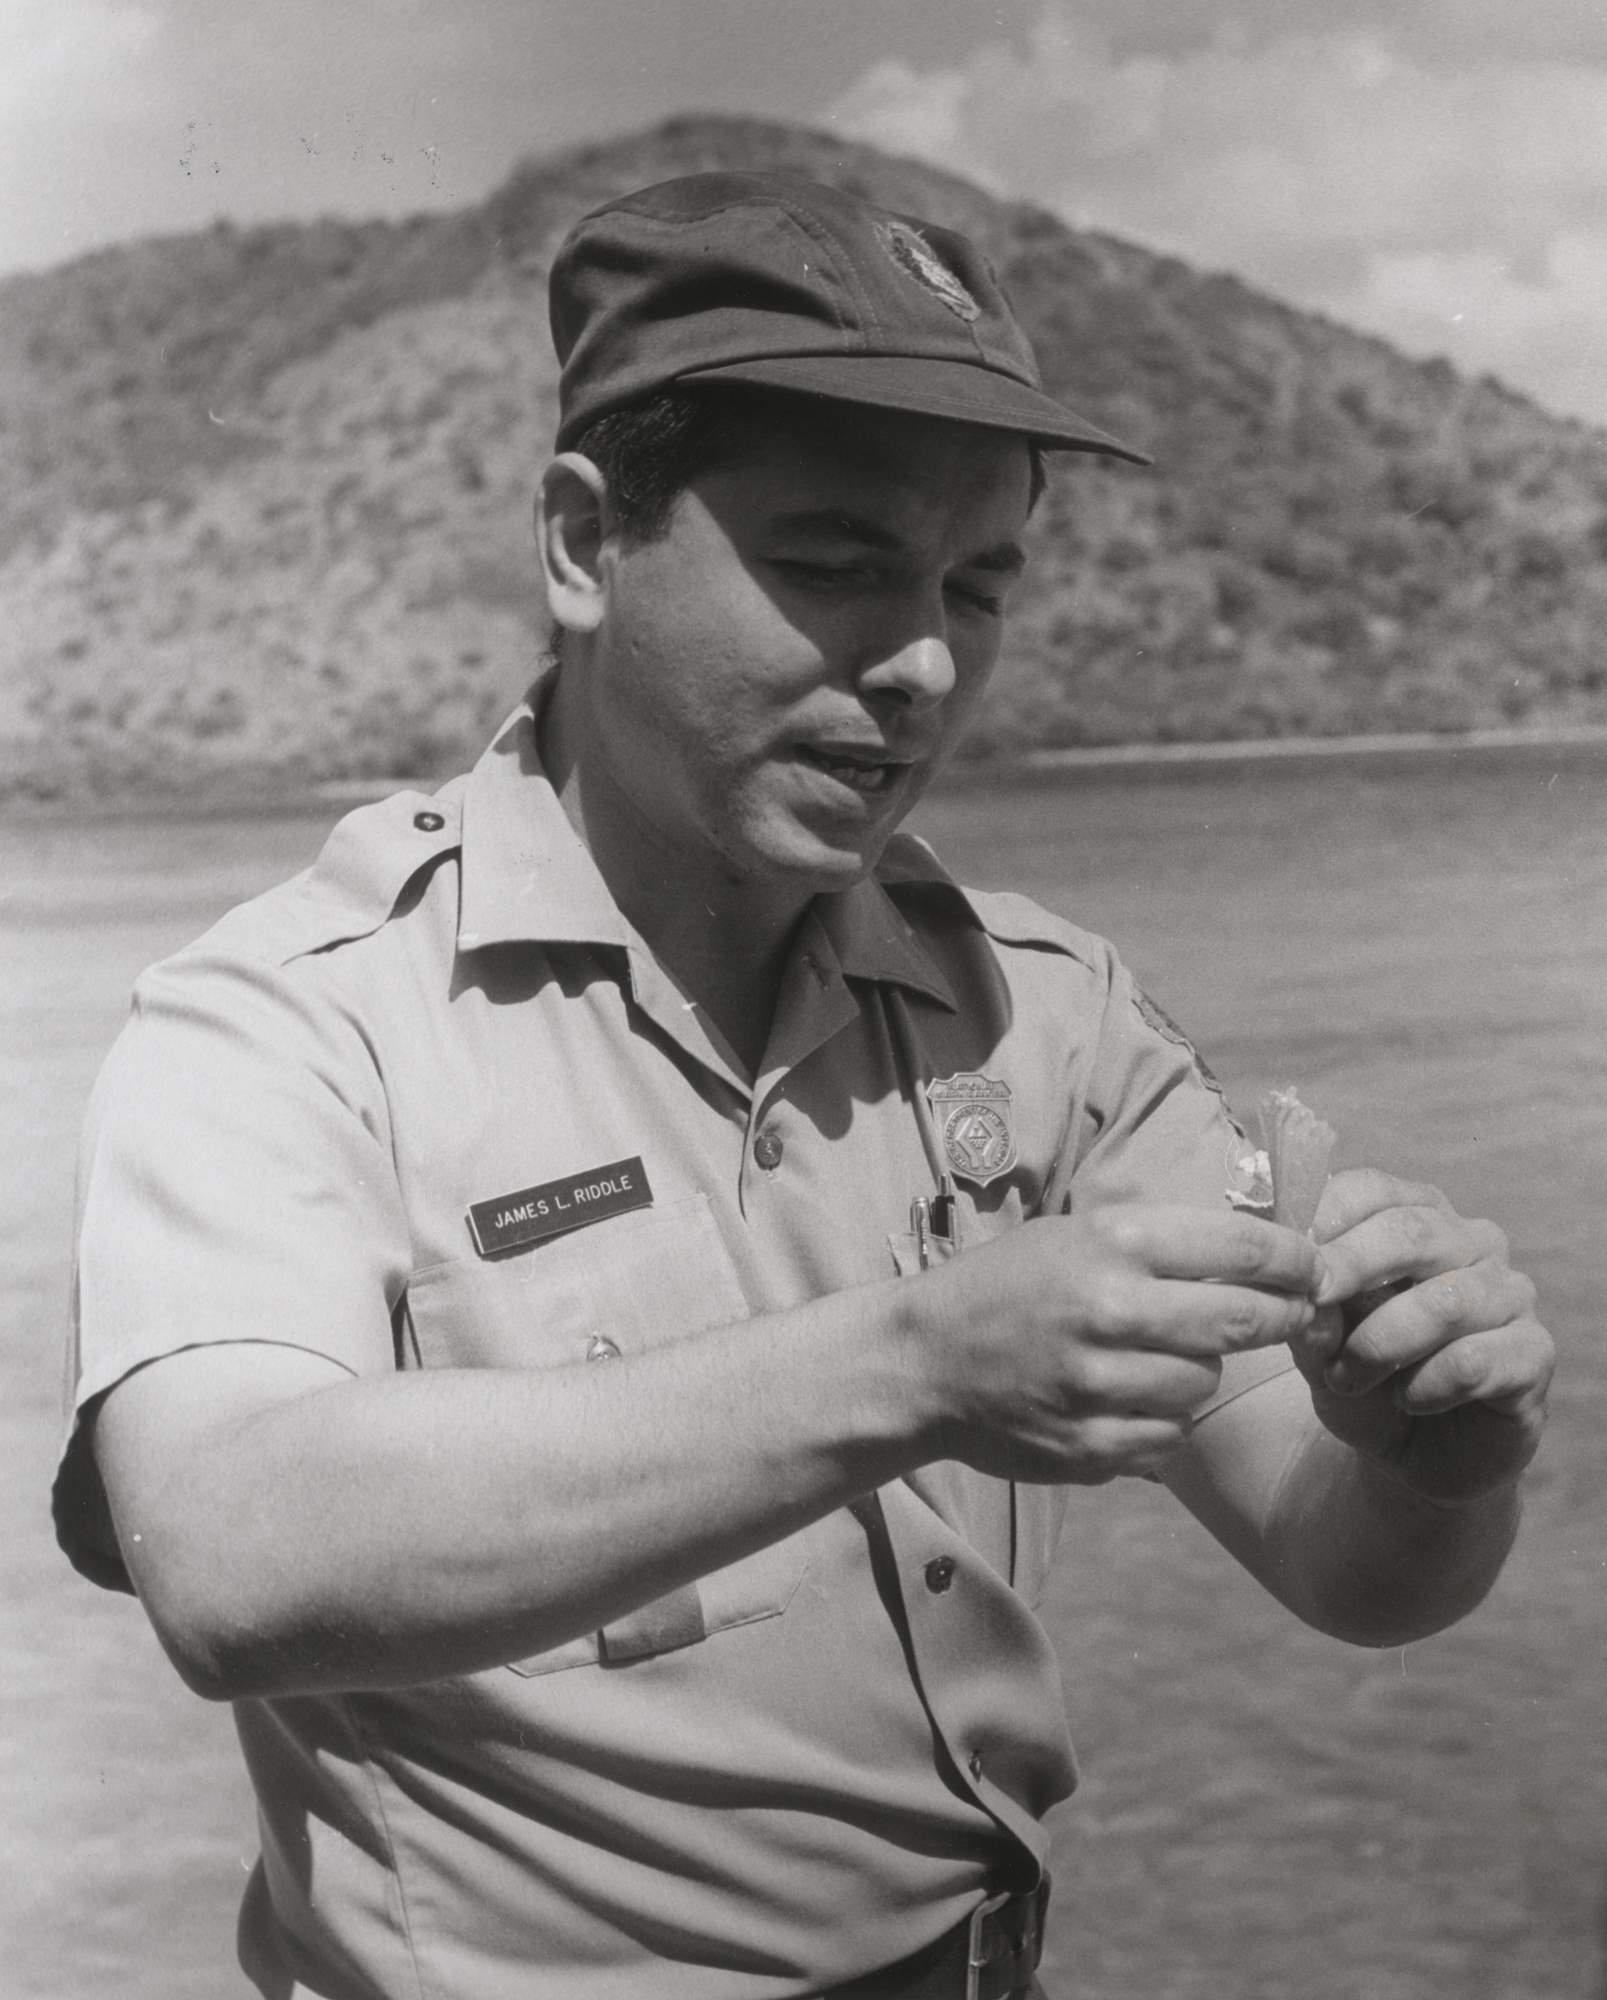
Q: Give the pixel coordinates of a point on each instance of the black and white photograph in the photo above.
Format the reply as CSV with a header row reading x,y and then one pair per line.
x,y
803,1000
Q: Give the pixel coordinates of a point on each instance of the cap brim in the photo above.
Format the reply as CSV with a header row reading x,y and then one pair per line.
x,y
956,390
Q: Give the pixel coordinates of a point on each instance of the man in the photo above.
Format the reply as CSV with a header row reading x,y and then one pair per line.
x,y
593,1298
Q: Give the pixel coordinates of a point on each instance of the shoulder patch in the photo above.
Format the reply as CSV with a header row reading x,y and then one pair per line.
x,y
1157,1018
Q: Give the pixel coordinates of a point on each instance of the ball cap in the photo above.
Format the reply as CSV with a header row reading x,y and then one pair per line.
x,y
754,278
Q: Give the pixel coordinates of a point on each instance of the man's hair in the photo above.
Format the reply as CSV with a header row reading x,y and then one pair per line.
x,y
650,452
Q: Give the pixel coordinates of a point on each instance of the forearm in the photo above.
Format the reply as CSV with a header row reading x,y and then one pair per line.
x,y
378,1532
1356,1553
1338,1539
289,1527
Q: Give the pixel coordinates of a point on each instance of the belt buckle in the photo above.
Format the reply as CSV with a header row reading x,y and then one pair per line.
x,y
1022,1954
977,1956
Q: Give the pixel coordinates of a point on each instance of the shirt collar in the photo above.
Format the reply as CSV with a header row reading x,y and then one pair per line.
x,y
527,876
874,940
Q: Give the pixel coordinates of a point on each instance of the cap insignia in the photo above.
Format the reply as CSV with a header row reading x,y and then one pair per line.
x,y
910,250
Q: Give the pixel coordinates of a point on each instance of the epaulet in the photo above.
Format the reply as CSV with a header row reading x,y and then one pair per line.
x,y
373,855
364,870
909,864
1014,919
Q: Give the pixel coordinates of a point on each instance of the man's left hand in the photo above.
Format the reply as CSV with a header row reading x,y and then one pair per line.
x,y
1427,1356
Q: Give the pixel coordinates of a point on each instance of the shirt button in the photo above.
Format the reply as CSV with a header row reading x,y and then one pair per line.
x,y
428,822
975,1765
939,1574
767,1148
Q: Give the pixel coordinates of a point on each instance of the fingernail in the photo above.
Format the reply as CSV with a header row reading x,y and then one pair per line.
x,y
1327,1284
1340,1377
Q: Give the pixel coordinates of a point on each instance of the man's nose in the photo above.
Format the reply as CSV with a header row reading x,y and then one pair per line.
x,y
919,670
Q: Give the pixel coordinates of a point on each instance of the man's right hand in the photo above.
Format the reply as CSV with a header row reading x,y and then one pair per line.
x,y
1076,1348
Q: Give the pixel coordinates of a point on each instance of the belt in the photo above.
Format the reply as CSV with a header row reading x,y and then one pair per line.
x,y
990,1955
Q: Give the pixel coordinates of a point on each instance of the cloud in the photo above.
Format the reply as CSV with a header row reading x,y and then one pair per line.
x,y
120,116
59,45
56,55
908,112
1542,326
1450,196
1454,31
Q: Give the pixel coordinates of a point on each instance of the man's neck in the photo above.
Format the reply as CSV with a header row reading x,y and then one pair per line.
x,y
723,942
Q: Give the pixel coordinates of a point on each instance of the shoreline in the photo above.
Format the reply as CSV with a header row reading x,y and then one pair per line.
x,y
258,798
1256,748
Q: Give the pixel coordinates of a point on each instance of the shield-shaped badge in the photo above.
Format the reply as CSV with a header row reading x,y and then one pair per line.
x,y
974,1116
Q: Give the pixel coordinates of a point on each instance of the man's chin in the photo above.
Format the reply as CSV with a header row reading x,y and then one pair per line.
x,y
802,854
839,864
798,872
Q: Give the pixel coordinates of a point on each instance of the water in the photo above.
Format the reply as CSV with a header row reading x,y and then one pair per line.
x,y
1421,945
1423,949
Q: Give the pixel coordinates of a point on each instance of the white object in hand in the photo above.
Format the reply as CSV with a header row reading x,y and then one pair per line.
x,y
1299,1146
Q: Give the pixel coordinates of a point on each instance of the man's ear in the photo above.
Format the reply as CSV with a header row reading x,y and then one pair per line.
x,y
570,508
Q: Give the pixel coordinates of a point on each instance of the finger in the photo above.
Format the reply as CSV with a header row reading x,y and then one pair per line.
x,y
1128,1382
1508,1368
1415,1240
1087,1453
1207,1243
1179,1317
1359,1192
1318,1342
1116,1447
1432,1315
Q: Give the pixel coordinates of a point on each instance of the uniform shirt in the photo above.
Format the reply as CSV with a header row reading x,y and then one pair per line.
x,y
809,1763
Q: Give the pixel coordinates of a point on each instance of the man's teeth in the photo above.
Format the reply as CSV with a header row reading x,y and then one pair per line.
x,y
863,777
860,777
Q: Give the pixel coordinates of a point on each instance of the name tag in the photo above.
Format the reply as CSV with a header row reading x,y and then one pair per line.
x,y
508,1221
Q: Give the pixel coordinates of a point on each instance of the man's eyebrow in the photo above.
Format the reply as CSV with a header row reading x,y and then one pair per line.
x,y
840,526
1008,559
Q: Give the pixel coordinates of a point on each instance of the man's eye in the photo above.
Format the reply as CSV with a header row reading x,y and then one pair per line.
x,y
975,598
822,575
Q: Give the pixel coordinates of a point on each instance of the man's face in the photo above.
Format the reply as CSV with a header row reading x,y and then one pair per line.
x,y
776,679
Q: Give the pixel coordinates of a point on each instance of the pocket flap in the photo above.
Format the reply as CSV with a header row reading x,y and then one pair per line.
x,y
636,1281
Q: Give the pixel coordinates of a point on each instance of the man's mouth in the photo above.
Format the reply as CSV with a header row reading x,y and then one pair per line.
x,y
864,771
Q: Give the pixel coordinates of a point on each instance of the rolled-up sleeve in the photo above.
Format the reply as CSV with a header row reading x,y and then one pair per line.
x,y
1154,1124
236,1184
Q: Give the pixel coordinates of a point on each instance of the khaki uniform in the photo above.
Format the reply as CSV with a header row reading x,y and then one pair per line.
x,y
814,1761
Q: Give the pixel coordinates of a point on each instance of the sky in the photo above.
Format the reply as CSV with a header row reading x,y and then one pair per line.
x,y
1431,170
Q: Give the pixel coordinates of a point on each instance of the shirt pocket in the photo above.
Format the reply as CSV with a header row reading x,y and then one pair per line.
x,y
981,1215
635,1282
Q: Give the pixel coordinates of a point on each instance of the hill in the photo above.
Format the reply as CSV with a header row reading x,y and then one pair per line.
x,y
264,497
